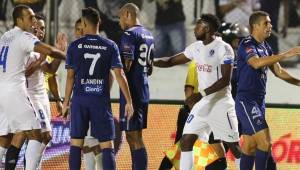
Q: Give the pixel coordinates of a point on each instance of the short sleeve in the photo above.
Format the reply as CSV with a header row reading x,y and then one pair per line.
x,y
29,41
127,46
189,51
70,58
227,54
247,50
192,75
116,59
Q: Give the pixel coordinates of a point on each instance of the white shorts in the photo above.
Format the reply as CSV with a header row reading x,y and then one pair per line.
x,y
217,116
4,128
18,110
42,107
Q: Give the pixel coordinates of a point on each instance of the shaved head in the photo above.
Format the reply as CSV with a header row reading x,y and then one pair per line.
x,y
131,8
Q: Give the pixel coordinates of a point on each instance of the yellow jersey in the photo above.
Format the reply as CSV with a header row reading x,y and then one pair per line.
x,y
192,76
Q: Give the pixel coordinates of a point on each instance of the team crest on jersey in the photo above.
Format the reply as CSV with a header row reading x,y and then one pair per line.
x,y
79,46
211,53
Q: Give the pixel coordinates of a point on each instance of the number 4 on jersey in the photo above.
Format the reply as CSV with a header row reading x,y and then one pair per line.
x,y
3,57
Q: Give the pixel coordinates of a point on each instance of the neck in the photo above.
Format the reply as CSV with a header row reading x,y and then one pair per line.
x,y
258,38
209,39
133,23
92,31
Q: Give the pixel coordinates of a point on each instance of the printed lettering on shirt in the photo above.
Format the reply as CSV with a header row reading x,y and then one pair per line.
x,y
204,67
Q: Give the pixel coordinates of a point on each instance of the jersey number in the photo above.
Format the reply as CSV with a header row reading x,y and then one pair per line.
x,y
145,54
3,57
95,58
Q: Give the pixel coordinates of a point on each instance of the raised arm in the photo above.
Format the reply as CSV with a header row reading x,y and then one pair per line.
x,y
172,61
259,62
284,75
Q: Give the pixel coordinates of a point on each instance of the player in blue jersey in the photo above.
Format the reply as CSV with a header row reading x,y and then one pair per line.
x,y
254,58
89,61
136,48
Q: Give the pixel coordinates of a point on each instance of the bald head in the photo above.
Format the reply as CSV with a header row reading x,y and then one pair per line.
x,y
129,14
131,8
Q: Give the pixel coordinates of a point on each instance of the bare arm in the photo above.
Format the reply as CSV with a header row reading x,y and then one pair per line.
x,y
121,79
128,63
111,80
68,91
257,62
49,50
53,87
172,61
226,71
284,75
51,67
188,91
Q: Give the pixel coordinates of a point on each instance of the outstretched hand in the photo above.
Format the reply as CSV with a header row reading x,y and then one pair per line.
x,y
61,41
293,52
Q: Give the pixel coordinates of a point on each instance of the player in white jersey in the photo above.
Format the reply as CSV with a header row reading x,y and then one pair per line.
x,y
215,111
15,47
36,66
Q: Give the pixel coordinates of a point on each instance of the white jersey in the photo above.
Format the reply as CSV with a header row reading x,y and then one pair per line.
x,y
15,46
209,59
36,82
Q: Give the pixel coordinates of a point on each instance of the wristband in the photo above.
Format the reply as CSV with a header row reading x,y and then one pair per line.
x,y
202,92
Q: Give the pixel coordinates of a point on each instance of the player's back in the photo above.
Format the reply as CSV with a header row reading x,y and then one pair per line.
x,y
92,57
137,44
15,46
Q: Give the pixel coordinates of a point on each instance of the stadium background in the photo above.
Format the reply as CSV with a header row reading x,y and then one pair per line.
x,y
166,85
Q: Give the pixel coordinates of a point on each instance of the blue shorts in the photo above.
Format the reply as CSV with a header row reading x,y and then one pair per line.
x,y
251,115
138,120
99,116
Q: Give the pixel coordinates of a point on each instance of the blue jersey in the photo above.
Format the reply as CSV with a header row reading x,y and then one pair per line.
x,y
92,57
251,82
137,44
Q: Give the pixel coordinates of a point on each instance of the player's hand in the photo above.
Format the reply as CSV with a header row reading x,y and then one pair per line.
x,y
61,41
129,111
65,110
193,99
59,107
293,52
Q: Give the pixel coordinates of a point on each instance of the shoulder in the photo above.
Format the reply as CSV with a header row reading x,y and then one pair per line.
x,y
247,42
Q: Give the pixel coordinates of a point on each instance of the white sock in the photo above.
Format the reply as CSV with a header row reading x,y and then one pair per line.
x,y
89,161
42,150
32,154
2,153
186,160
237,163
98,159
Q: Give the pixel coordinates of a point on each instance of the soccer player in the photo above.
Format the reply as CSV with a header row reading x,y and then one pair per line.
x,y
254,58
89,61
215,111
36,66
15,46
136,49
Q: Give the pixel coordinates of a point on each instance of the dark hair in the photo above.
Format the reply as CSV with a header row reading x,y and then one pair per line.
x,y
40,16
78,21
255,17
92,15
18,12
212,20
